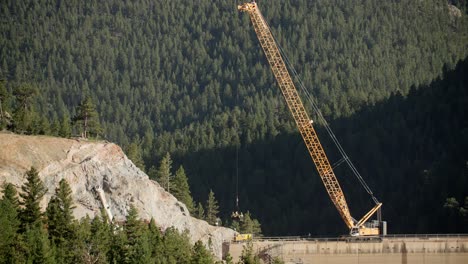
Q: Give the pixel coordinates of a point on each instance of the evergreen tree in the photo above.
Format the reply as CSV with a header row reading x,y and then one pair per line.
x,y
181,189
83,249
177,247
4,95
200,212
200,254
65,127
249,225
212,209
134,153
118,251
38,246
137,247
10,246
32,192
61,222
164,174
100,238
87,118
25,118
155,240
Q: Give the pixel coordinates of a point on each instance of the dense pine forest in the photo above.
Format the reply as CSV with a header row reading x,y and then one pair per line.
x,y
189,78
30,235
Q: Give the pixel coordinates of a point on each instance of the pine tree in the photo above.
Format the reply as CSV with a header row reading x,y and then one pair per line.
x,y
61,222
249,225
200,254
181,189
24,118
10,250
87,118
100,238
32,192
200,212
119,250
4,95
38,245
83,249
155,239
134,153
65,128
137,244
163,176
177,247
212,209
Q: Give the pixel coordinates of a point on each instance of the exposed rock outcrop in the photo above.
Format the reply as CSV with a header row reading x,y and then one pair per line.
x,y
87,165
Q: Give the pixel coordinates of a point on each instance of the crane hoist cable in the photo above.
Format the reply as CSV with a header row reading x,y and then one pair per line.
x,y
345,157
306,128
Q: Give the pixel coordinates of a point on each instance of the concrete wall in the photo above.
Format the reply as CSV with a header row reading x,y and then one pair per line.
x,y
451,250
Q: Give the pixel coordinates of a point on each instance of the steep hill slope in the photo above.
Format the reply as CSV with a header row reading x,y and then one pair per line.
x,y
87,165
174,71
188,77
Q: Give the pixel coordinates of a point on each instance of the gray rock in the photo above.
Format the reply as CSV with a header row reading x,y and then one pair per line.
x,y
87,165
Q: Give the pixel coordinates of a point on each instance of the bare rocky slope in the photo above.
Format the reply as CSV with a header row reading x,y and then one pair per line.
x,y
87,165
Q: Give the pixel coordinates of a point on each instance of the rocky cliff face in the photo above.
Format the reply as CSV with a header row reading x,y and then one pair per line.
x,y
88,165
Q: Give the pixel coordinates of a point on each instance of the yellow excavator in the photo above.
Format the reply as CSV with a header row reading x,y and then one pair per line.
x,y
305,126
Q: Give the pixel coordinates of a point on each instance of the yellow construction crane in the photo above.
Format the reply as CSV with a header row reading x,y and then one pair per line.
x,y
304,124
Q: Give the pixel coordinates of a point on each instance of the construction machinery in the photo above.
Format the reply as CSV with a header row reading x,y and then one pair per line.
x,y
242,237
308,133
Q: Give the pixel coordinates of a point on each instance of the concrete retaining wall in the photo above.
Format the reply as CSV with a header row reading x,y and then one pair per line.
x,y
451,250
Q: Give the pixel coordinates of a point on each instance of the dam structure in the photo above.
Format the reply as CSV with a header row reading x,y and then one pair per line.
x,y
404,249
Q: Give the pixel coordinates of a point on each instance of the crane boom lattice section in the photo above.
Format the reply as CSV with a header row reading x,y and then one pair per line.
x,y
293,100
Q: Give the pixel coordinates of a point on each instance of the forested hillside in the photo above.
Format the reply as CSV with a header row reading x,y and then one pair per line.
x,y
189,78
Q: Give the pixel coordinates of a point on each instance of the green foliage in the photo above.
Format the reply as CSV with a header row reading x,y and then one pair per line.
x,y
209,90
134,153
212,209
199,211
248,255
87,118
65,129
181,189
248,225
32,192
155,240
228,259
4,96
200,254
137,247
9,225
164,174
25,117
93,241
177,248
64,240
61,222
38,246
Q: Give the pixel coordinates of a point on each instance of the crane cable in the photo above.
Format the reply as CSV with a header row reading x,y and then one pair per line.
x,y
237,158
321,118
237,177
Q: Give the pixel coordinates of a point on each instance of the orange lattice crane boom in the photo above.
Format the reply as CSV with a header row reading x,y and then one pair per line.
x,y
304,123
